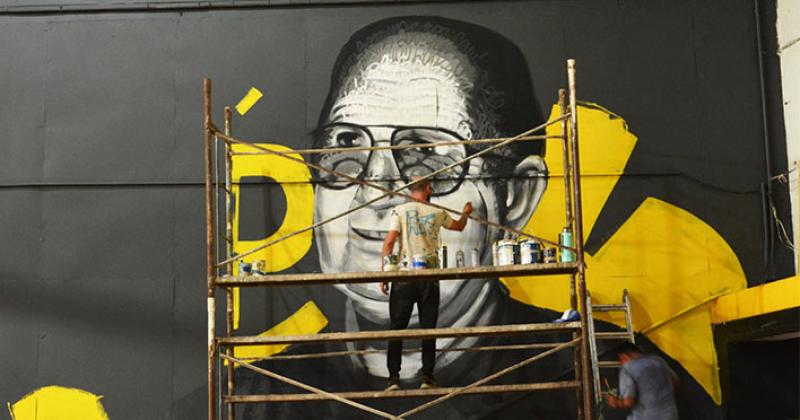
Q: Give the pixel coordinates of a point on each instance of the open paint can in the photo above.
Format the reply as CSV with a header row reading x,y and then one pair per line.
x,y
505,252
419,262
390,263
529,251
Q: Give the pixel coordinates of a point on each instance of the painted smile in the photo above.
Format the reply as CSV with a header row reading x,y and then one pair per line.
x,y
370,234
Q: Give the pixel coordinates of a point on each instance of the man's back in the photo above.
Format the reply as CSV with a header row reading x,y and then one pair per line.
x,y
649,380
419,226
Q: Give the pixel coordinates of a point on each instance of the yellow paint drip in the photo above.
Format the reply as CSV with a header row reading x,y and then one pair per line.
x,y
244,105
58,403
307,320
672,263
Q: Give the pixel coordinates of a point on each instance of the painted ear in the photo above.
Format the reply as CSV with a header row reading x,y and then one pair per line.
x,y
525,189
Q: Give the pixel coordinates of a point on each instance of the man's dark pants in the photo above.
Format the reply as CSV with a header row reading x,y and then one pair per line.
x,y
401,302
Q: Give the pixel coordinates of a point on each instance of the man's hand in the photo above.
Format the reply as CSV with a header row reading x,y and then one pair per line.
x,y
462,221
467,208
385,287
616,402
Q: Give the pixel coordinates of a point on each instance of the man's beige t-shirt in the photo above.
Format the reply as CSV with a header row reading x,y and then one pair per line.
x,y
418,225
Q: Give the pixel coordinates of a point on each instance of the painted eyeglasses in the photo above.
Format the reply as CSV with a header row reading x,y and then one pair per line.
x,y
422,160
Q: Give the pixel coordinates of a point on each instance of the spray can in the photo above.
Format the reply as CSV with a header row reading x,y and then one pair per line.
x,y
475,257
459,258
494,253
443,256
566,239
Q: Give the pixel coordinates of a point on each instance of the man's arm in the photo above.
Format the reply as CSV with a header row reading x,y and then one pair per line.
x,y
388,247
627,392
616,402
462,221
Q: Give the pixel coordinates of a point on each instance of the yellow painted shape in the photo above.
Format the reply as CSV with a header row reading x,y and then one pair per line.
x,y
605,146
58,403
770,297
295,180
250,99
672,263
309,319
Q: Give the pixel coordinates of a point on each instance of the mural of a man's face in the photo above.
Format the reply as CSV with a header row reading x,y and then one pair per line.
x,y
414,87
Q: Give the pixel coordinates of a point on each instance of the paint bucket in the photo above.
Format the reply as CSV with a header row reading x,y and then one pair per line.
x,y
529,251
459,258
244,267
419,262
505,252
390,262
259,267
566,239
475,257
443,256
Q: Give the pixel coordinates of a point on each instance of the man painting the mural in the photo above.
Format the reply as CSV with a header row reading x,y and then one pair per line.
x,y
646,386
417,226
426,80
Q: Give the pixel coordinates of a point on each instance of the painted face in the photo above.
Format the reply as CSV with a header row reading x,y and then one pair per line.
x,y
408,88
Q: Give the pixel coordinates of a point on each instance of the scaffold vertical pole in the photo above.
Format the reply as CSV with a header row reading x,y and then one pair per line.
x,y
228,254
576,351
588,404
562,103
210,263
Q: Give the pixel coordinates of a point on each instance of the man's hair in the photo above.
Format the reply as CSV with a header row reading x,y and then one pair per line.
x,y
628,348
499,93
419,186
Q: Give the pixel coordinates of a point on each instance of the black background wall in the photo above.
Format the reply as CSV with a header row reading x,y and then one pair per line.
x,y
102,283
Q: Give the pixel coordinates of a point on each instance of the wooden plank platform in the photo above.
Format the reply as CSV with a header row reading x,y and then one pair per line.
x,y
402,393
411,334
459,273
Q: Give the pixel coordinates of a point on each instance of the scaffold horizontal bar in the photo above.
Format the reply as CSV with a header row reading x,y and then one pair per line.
x,y
459,273
403,393
508,347
412,334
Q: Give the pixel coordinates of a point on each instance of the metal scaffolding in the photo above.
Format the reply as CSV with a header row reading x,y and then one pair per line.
x,y
220,275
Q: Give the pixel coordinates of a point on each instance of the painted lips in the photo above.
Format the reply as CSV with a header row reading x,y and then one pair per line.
x,y
370,234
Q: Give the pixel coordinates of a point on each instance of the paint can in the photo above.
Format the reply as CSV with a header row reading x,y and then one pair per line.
x,y
244,267
419,262
550,255
390,262
529,251
460,258
505,252
475,257
259,267
566,239
443,256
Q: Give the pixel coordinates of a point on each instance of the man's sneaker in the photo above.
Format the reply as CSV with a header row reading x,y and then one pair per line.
x,y
394,384
429,382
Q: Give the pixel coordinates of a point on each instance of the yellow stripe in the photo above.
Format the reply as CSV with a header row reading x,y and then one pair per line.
x,y
309,319
253,95
771,297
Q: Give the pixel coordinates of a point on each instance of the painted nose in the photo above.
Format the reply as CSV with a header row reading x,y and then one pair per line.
x,y
381,170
